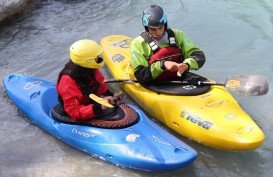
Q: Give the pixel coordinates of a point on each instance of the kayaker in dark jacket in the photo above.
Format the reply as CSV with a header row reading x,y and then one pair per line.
x,y
79,78
160,52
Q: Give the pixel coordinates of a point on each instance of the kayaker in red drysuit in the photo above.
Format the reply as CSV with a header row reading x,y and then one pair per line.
x,y
160,52
79,78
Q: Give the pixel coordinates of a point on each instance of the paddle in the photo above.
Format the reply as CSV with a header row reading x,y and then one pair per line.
x,y
100,100
117,98
247,85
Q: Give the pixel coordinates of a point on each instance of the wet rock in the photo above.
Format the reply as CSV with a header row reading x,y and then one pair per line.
x,y
10,9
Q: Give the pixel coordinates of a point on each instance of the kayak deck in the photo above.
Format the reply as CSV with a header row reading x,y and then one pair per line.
x,y
143,145
213,118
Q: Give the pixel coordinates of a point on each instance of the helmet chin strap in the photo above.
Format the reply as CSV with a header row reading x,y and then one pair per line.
x,y
156,37
151,34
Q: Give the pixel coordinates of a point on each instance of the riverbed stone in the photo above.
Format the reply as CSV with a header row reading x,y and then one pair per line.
x,y
10,9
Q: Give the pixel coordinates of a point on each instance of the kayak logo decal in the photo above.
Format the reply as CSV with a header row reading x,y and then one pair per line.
x,y
29,85
230,116
160,140
189,87
84,134
196,120
206,95
123,44
132,137
118,58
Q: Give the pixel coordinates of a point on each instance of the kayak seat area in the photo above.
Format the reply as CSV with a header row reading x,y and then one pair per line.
x,y
180,88
118,117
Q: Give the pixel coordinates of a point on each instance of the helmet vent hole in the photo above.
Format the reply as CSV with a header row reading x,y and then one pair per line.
x,y
99,59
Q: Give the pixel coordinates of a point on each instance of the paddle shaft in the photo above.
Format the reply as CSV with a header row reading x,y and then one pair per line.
x,y
247,85
166,82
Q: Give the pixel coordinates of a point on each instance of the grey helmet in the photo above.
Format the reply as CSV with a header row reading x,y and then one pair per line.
x,y
154,17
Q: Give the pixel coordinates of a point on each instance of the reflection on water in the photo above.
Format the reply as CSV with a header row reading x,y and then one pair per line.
x,y
236,37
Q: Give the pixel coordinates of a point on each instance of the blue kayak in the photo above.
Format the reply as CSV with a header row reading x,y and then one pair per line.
x,y
142,145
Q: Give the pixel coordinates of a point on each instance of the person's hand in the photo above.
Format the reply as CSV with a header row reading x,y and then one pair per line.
x,y
171,66
118,96
110,99
103,108
113,100
181,69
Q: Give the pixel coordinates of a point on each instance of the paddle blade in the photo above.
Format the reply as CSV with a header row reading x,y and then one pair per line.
x,y
248,85
100,100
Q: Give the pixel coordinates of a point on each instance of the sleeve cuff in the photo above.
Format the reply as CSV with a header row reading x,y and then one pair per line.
x,y
97,109
162,66
188,66
191,63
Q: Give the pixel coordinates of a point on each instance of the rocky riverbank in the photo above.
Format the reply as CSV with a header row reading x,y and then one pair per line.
x,y
11,9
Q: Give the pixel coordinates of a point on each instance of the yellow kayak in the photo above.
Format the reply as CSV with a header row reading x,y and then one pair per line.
x,y
213,118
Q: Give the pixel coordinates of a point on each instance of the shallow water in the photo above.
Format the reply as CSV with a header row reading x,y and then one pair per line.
x,y
236,37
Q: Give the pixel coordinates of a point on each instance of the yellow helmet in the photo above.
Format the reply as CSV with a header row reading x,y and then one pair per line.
x,y
86,53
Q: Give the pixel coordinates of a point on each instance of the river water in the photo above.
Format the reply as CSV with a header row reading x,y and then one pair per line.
x,y
236,36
